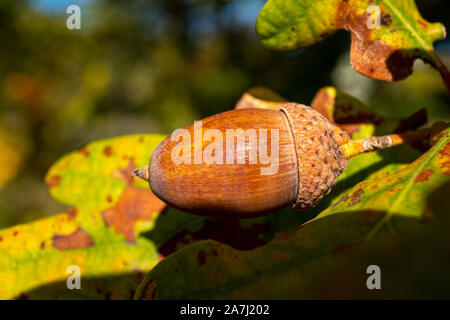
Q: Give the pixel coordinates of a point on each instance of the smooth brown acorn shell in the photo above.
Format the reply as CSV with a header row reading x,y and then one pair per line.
x,y
229,190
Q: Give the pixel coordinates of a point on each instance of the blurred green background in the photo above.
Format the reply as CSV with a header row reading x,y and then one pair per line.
x,y
153,66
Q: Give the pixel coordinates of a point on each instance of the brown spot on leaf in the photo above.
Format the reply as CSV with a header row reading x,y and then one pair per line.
x,y
53,181
42,246
109,198
134,204
424,175
444,160
445,150
72,213
1,238
107,151
356,197
15,233
386,19
422,23
76,240
84,151
342,199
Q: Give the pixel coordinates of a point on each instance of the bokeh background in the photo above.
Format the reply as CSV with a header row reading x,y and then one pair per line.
x,y
143,66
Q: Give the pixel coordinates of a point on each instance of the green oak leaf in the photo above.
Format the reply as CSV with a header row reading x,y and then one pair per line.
x,y
100,234
384,51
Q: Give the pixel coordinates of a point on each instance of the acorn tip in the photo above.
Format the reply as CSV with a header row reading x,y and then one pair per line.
x,y
141,173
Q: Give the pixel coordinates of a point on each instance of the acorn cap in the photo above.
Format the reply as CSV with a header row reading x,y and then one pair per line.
x,y
319,159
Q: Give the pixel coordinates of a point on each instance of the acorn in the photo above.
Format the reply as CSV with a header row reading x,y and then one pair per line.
x,y
217,168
